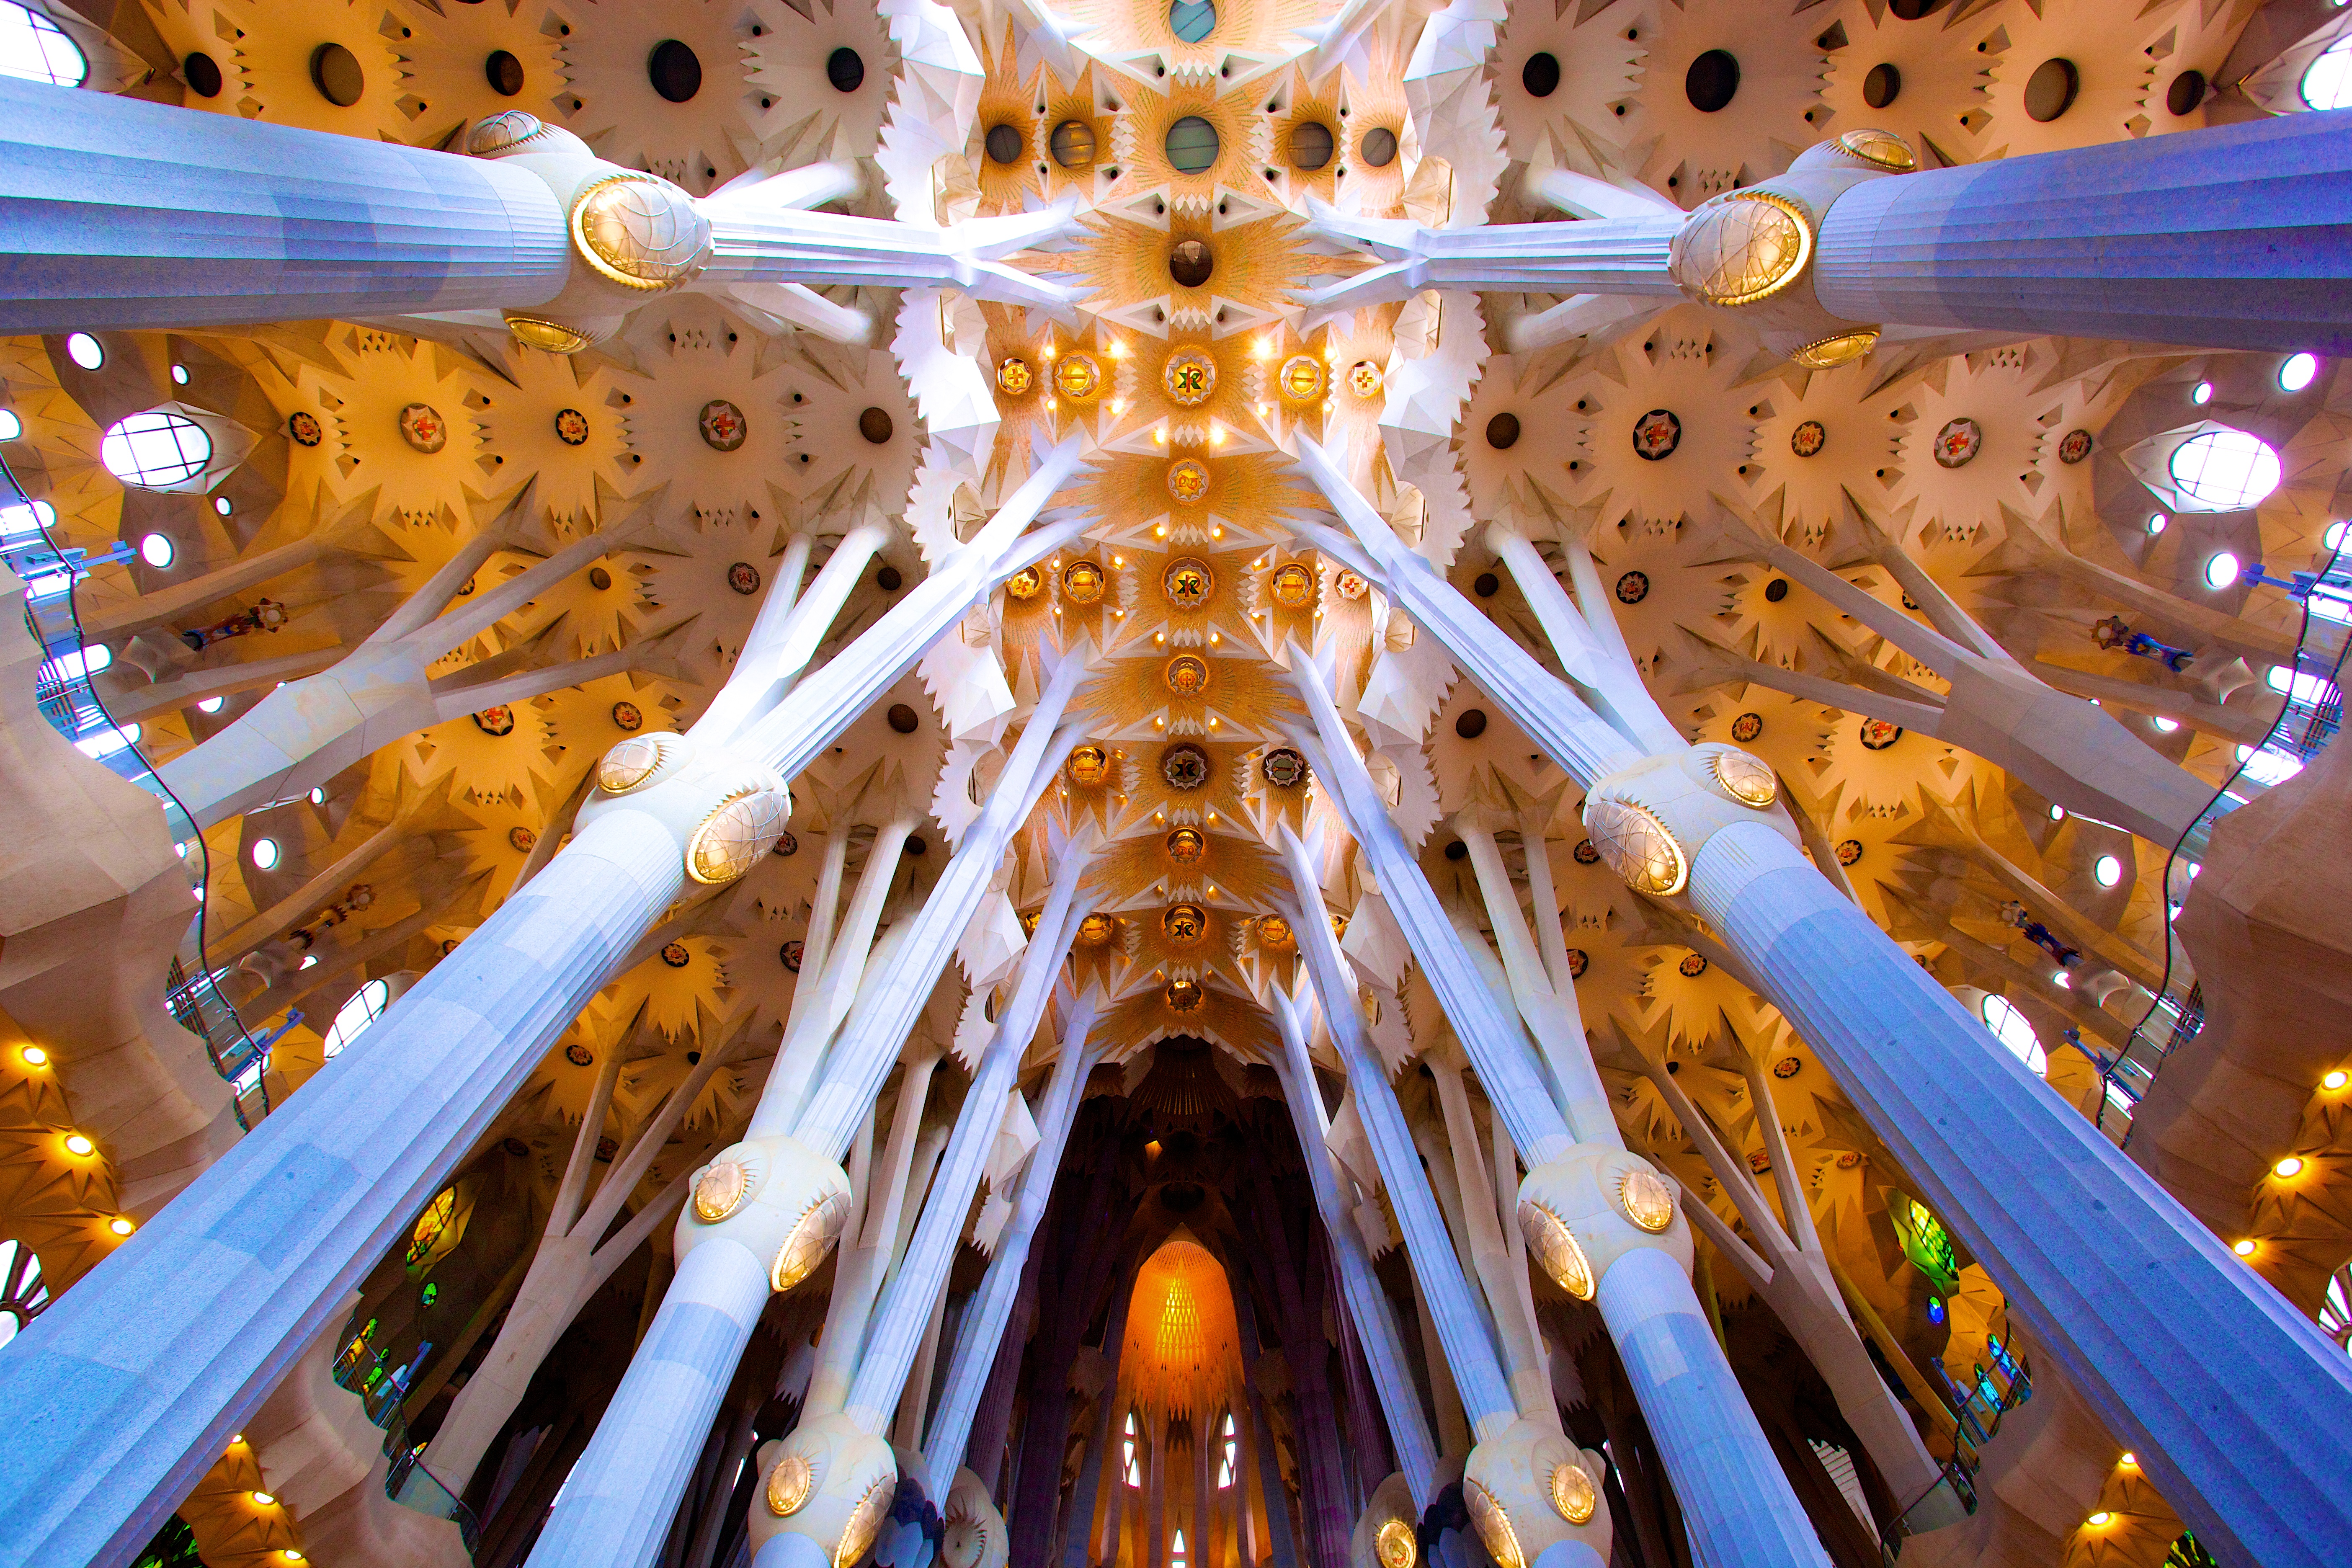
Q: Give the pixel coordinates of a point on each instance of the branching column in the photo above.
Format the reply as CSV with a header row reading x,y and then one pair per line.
x,y
2126,1290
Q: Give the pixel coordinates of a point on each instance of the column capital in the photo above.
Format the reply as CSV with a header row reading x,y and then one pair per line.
x,y
723,811
1650,820
1530,1489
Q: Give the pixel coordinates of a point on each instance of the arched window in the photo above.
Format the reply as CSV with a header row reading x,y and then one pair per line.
x,y
2220,469
366,1005
1229,1454
21,1293
1130,1459
2010,1027
2327,80
35,48
156,449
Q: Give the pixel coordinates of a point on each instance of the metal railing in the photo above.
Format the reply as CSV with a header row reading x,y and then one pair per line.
x,y
382,1388
63,691
2306,722
1975,1412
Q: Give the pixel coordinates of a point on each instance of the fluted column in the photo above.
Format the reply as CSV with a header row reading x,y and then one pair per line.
x,y
2235,237
1742,1511
898,1319
120,213
983,1330
634,1470
2123,1286
1367,1303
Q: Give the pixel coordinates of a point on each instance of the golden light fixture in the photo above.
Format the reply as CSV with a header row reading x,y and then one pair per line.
x,y
1088,766
1293,585
120,1224
721,1190
1184,924
1302,378
263,1499
1397,1545
1647,1201
1084,581
1274,932
1572,1497
2100,1519
1187,674
78,1143
1837,349
1186,846
805,1247
1077,377
1024,583
1556,1250
2336,1079
789,1485
1014,376
1746,778
1097,930
1742,247
1364,379
1883,148
2291,1165
1188,479
34,1057
1185,997
2242,1248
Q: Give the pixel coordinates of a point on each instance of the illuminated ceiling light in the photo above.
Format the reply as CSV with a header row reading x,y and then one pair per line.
x,y
80,1144
34,1057
263,1499
2292,1165
2100,1519
120,1224
2131,1460
2336,1079
2242,1248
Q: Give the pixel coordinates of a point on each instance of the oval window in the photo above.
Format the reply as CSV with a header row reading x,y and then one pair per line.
x,y
2225,470
156,449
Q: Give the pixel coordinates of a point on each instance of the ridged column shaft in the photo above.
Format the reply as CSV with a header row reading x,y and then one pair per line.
x,y
120,213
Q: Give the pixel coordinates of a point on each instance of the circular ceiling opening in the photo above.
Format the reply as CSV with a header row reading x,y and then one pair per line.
x,y
2187,92
1540,75
902,719
1005,145
1471,724
1881,86
1379,147
1311,145
844,70
1503,431
1073,144
1190,262
203,75
674,72
504,72
1712,81
2049,90
335,72
1193,144
874,426
1191,20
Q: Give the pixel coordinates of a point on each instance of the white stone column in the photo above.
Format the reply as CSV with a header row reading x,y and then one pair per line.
x,y
148,1364
1741,1511
120,213
980,1337
1367,1303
